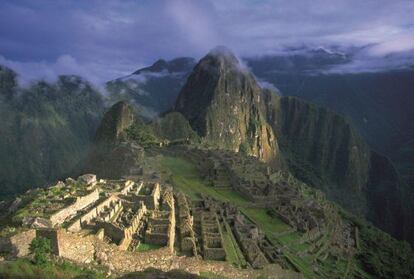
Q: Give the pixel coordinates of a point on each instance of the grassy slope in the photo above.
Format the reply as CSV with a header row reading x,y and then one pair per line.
x,y
23,268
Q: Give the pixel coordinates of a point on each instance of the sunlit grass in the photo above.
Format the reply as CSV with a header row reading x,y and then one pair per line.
x,y
147,247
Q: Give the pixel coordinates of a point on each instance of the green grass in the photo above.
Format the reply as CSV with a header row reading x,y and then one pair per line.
x,y
266,222
147,247
233,253
301,265
25,269
186,178
293,241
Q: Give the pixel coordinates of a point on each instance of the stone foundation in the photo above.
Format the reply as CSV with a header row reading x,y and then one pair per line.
x,y
70,211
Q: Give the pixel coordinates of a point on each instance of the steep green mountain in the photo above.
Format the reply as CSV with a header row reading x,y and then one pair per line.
x,y
378,104
115,121
325,151
112,156
123,134
152,90
46,129
174,127
221,100
226,107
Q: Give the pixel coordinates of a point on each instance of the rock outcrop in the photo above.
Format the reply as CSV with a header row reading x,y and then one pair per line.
x,y
222,102
113,156
115,121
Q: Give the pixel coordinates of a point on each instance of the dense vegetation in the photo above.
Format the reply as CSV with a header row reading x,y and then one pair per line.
x,y
23,268
41,250
46,129
378,104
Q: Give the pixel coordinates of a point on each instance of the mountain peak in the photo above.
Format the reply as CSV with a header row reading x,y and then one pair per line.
x,y
223,57
222,102
222,51
119,117
180,64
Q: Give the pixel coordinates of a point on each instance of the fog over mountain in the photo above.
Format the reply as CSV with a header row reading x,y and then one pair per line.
x,y
105,40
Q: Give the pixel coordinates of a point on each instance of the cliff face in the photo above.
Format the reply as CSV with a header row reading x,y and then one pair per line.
x,y
119,117
222,102
385,201
113,156
173,127
321,137
322,149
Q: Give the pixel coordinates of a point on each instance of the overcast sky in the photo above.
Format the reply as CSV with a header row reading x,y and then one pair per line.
x,y
102,40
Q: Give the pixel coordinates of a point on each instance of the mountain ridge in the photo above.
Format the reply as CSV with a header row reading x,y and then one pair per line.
x,y
221,100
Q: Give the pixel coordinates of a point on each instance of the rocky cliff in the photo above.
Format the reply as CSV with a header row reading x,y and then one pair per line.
x,y
324,150
119,117
222,102
113,156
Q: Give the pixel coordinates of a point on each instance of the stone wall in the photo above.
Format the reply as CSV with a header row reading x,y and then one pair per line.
x,y
80,203
162,259
161,226
93,213
76,247
129,184
215,254
212,241
151,199
114,232
18,244
185,225
131,230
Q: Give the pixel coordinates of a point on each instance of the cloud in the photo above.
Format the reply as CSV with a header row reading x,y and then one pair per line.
x,y
107,39
397,44
64,65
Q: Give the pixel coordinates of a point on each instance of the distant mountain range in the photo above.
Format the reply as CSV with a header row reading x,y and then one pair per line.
x,y
378,104
53,123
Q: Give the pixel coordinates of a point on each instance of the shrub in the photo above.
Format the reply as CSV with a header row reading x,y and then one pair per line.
x,y
41,249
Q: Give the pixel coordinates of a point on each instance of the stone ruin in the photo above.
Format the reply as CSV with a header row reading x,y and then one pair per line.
x,y
129,213
257,249
201,224
304,209
122,212
185,220
161,223
278,191
213,248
